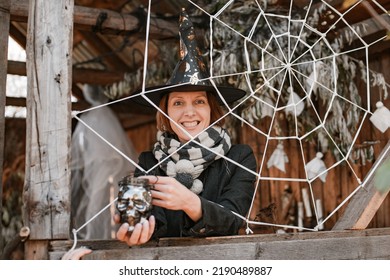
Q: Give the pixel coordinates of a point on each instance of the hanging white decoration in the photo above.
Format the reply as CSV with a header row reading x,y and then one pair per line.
x,y
313,79
294,105
381,117
315,167
306,202
319,214
267,110
300,215
278,158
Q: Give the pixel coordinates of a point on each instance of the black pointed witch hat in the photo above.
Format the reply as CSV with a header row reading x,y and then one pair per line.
x,y
190,73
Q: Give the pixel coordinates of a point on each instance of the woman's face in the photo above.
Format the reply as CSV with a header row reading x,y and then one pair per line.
x,y
189,111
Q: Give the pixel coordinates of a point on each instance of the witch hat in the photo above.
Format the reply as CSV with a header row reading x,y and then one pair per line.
x,y
190,73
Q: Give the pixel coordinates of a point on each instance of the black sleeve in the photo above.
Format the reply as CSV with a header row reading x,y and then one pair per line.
x,y
142,161
236,196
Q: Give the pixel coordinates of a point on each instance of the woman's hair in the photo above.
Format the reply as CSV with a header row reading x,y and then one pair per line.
x,y
215,113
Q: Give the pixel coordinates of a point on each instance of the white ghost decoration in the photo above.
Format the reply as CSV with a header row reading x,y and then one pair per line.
x,y
278,158
381,117
294,104
315,167
267,110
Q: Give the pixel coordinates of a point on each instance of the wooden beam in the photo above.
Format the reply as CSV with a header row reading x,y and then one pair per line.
x,y
367,200
46,194
96,77
16,68
370,26
375,15
335,245
21,102
124,109
111,5
112,22
17,35
305,3
373,31
363,10
4,31
131,114
83,76
112,60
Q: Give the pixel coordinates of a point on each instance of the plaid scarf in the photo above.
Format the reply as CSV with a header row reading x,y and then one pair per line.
x,y
187,163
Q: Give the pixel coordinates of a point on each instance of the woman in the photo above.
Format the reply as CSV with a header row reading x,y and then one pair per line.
x,y
196,187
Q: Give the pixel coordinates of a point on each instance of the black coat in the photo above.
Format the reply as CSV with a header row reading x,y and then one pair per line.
x,y
224,184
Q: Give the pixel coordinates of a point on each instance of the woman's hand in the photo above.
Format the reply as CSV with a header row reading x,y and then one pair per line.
x,y
76,254
170,194
141,234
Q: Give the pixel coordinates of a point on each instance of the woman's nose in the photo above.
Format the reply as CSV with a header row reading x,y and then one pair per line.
x,y
190,110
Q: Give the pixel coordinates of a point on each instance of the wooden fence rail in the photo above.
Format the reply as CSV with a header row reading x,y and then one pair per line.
x,y
335,245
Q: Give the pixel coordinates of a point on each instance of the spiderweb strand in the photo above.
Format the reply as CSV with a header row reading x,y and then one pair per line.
x,y
75,231
290,76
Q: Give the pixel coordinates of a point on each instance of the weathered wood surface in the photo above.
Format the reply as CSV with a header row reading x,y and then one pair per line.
x,y
21,102
46,191
336,245
83,76
85,18
4,31
366,201
36,250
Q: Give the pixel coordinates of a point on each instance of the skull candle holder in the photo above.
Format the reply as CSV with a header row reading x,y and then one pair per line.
x,y
134,200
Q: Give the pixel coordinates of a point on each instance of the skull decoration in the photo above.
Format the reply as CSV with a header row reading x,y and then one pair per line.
x,y
134,200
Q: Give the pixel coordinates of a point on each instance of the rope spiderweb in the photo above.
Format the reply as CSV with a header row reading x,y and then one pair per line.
x,y
291,65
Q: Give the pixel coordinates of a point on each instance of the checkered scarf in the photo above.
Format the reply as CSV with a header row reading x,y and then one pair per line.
x,y
187,163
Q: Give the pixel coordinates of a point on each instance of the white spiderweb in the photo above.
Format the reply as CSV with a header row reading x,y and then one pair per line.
x,y
297,91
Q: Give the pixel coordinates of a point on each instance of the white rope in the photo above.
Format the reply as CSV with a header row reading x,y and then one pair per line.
x,y
75,231
289,75
96,215
146,52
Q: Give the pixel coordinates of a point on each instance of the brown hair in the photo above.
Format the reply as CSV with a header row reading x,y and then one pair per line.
x,y
163,122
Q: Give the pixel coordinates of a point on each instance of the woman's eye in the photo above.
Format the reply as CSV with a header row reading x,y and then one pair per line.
x,y
177,103
200,101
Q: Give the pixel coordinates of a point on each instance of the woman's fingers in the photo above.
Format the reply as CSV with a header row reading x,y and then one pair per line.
x,y
152,224
147,230
140,235
116,218
76,254
122,232
135,235
154,180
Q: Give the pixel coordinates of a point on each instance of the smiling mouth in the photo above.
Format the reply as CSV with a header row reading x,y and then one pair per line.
x,y
190,124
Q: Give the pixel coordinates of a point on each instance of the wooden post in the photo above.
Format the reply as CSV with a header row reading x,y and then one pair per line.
x,y
364,204
4,31
46,193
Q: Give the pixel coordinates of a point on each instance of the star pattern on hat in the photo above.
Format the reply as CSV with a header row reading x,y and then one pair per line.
x,y
194,79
